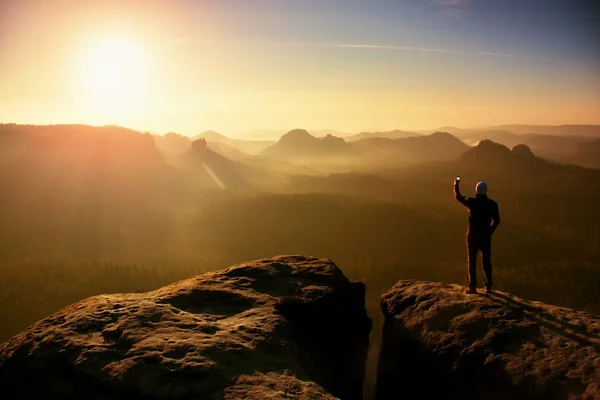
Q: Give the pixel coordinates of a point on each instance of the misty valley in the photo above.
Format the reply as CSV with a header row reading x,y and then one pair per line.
x,y
97,210
89,210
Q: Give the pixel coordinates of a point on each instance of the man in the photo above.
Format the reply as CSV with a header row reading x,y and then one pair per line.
x,y
484,218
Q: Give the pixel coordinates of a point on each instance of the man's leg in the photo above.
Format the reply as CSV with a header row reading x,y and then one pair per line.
x,y
472,250
486,257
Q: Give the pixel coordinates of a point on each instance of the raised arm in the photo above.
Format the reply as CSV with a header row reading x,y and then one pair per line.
x,y
460,198
495,218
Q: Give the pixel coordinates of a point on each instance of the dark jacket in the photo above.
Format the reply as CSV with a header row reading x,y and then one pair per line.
x,y
484,216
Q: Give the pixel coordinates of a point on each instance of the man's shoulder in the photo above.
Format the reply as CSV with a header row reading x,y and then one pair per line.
x,y
492,202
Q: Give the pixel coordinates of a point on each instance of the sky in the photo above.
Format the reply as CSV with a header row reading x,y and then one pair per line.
x,y
235,66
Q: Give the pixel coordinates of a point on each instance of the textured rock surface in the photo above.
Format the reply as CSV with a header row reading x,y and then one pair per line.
x,y
287,327
442,343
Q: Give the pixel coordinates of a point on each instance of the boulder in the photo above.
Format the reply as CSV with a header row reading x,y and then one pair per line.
x,y
284,327
442,343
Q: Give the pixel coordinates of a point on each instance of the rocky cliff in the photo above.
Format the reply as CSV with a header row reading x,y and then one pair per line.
x,y
286,327
294,327
442,343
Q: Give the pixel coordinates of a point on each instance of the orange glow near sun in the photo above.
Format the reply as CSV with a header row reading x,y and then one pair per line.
x,y
114,77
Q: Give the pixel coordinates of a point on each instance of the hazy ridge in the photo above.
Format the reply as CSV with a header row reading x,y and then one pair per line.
x,y
88,210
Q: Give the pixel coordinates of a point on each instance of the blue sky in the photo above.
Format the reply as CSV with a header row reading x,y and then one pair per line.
x,y
554,29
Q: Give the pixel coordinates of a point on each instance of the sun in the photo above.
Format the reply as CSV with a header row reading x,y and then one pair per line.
x,y
114,75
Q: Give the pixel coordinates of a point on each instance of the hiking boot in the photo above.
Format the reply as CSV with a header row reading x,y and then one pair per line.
x,y
470,290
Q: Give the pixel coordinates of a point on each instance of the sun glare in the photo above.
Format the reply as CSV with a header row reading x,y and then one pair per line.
x,y
114,76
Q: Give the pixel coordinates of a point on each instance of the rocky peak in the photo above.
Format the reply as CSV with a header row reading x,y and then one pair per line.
x,y
199,145
447,344
213,136
289,324
445,135
487,153
491,147
295,326
296,135
522,151
330,137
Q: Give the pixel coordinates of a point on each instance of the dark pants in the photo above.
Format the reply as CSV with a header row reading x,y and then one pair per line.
x,y
475,244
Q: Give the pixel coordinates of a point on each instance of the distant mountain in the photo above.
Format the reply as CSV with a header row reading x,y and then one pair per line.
x,y
275,134
508,171
587,155
395,134
213,136
520,129
559,148
332,132
228,151
490,158
554,130
235,173
439,146
542,144
245,146
551,146
300,143
172,143
449,129
502,136
520,169
301,146
13,141
95,184
74,146
213,169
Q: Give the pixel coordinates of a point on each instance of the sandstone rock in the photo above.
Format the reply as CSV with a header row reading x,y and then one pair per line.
x,y
442,343
280,328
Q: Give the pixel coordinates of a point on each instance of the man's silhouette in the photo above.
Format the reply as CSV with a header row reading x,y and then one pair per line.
x,y
484,218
